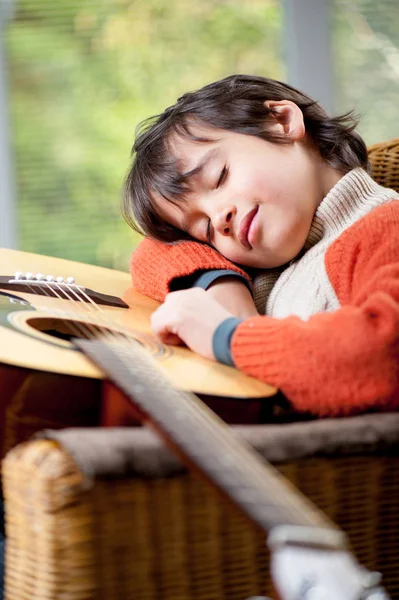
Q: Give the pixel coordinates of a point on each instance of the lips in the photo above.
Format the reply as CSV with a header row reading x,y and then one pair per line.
x,y
244,228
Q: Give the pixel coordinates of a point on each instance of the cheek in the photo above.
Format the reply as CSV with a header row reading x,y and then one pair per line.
x,y
287,237
283,228
229,249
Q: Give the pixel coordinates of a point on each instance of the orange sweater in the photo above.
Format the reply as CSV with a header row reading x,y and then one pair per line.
x,y
333,363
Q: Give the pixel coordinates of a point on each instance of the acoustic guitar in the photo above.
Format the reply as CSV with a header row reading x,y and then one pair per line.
x,y
46,301
48,320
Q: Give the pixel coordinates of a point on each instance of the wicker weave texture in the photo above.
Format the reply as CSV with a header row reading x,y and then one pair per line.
x,y
173,539
384,159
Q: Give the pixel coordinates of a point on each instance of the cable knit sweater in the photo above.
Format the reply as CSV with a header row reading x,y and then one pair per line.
x,y
330,335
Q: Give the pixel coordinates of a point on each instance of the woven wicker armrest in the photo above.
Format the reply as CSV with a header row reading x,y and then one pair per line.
x,y
384,160
130,522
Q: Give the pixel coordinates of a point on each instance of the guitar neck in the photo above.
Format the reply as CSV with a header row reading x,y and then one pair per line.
x,y
204,440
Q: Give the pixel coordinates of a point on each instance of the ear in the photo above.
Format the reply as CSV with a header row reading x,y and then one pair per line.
x,y
288,118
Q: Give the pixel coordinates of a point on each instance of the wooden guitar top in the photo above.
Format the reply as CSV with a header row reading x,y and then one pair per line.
x,y
23,343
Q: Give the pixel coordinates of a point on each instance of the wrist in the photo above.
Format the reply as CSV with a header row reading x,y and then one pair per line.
x,y
221,341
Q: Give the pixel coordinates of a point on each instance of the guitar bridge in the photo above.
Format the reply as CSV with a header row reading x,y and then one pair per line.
x,y
52,286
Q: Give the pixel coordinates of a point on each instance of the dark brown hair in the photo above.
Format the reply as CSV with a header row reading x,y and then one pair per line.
x,y
236,103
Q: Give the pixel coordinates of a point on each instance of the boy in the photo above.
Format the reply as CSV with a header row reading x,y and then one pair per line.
x,y
247,184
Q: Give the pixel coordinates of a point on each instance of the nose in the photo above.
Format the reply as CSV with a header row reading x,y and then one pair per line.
x,y
223,222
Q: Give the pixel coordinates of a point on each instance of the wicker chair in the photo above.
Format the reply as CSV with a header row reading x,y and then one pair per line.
x,y
146,529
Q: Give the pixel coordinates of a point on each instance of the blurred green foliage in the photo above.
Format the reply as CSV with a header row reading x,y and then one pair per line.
x,y
83,74
365,49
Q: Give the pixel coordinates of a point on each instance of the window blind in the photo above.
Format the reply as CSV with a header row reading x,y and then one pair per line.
x,y
365,39
82,74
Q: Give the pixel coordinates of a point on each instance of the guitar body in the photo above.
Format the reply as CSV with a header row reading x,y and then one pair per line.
x,y
39,364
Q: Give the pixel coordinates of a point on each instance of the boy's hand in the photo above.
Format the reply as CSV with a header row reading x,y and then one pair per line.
x,y
191,316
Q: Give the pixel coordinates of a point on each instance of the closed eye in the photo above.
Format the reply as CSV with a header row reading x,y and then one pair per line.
x,y
208,232
222,177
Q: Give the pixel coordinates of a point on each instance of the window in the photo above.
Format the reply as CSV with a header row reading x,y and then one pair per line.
x,y
365,50
82,74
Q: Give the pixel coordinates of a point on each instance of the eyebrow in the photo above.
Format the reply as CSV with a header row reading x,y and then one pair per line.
x,y
199,169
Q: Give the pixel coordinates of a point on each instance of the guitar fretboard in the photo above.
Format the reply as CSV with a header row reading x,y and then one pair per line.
x,y
208,443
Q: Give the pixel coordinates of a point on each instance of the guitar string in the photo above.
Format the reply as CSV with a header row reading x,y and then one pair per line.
x,y
204,418
65,314
128,335
200,415
83,328
78,327
110,325
51,309
207,422
110,336
73,325
114,338
210,428
90,310
89,330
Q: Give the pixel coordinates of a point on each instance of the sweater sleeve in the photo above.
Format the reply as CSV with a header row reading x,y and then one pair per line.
x,y
344,361
154,265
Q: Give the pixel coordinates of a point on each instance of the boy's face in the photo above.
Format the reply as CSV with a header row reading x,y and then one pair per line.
x,y
252,200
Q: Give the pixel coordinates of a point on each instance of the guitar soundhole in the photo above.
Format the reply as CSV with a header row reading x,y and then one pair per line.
x,y
66,330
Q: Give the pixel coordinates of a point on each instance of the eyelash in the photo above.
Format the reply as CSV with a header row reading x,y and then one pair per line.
x,y
222,177
208,232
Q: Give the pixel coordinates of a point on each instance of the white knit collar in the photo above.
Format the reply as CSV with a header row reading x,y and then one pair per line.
x,y
355,195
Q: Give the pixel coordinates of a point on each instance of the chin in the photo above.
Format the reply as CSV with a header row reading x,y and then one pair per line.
x,y
286,252
283,256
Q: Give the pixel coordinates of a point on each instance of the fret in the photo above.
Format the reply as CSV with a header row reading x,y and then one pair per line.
x,y
256,486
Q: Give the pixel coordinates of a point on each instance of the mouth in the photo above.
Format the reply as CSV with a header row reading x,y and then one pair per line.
x,y
244,228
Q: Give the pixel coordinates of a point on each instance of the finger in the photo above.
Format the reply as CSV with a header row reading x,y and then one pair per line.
x,y
166,337
172,340
163,326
